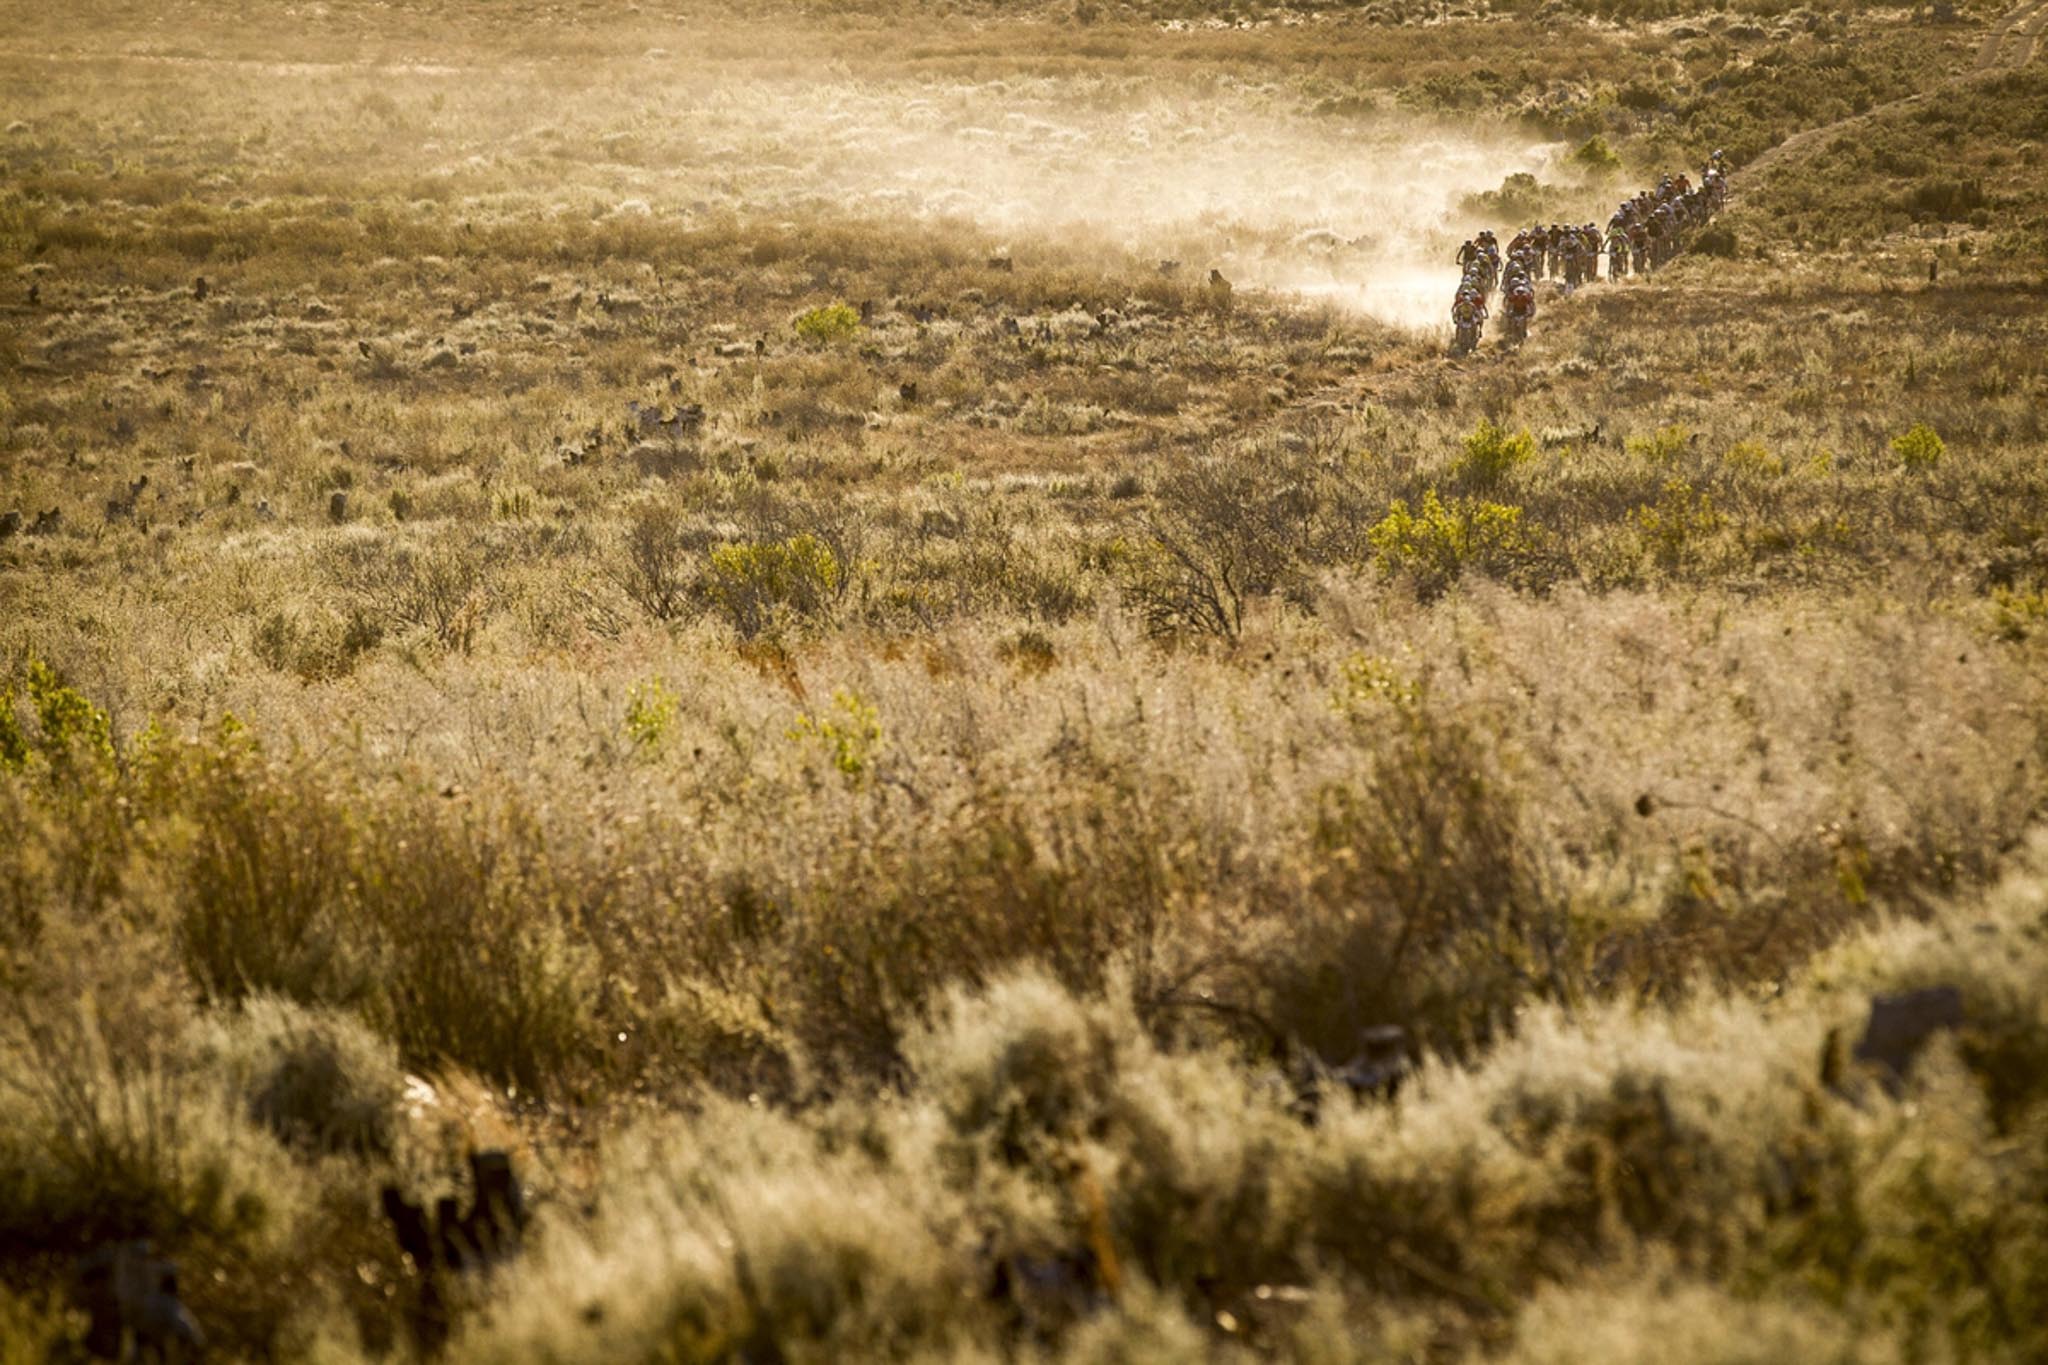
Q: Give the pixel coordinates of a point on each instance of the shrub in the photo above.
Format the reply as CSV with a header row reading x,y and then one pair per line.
x,y
1029,651
1920,447
1521,196
739,1236
1437,546
851,733
318,1079
1430,910
328,647
69,728
828,324
1718,241
1661,447
1224,532
2017,614
263,900
441,589
1947,200
101,1142
1753,458
476,965
1641,96
14,743
1595,157
753,583
1490,452
650,710
1675,525
656,569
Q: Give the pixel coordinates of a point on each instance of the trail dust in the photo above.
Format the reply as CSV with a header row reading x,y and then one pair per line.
x,y
1359,212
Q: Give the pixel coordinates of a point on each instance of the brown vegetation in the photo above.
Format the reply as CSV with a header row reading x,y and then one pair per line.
x,y
902,788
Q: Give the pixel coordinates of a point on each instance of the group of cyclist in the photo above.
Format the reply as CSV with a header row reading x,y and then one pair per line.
x,y
1645,232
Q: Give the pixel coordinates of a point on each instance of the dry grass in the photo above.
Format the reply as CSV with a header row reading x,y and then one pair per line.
x,y
887,827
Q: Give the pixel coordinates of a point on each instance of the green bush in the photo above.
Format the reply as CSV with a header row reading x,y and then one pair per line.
x,y
1661,447
850,733
1438,545
753,583
1595,157
1920,447
650,711
829,323
69,728
1491,451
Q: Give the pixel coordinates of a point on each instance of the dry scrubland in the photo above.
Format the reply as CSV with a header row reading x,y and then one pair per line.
x,y
885,853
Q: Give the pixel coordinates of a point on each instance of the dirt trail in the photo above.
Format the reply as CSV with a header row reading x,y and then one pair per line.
x,y
2012,40
2010,44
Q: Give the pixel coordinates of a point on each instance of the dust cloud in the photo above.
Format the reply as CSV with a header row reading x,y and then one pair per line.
x,y
1356,210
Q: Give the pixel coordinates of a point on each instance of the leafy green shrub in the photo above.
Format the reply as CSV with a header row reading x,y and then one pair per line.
x,y
1661,447
2017,614
1491,451
650,711
69,728
752,583
1437,546
829,323
1920,447
851,733
1595,157
1753,458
